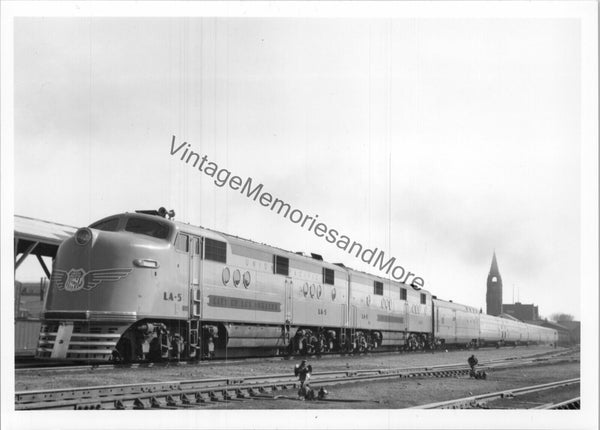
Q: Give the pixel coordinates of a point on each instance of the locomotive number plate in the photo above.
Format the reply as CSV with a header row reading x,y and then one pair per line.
x,y
173,297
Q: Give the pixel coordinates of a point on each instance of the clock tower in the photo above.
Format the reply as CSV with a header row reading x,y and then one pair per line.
x,y
493,296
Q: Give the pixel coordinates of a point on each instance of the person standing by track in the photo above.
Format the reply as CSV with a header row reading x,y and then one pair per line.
x,y
303,371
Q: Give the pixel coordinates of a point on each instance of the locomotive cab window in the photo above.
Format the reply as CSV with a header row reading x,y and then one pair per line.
x,y
147,227
378,288
215,250
402,293
107,225
423,299
282,265
182,243
328,276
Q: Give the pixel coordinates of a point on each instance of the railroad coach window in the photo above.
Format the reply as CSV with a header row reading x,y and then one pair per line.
x,y
148,227
402,293
282,265
182,243
423,299
215,250
378,288
327,276
108,225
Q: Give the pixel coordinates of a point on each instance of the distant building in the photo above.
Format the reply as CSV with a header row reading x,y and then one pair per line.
x,y
574,328
493,297
29,298
521,311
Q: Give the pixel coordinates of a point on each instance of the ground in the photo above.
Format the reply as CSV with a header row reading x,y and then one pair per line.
x,y
405,393
93,377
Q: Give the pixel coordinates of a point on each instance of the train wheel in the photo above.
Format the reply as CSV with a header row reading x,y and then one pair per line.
x,y
123,351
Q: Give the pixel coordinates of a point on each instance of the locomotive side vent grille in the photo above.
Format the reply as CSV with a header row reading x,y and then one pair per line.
x,y
93,343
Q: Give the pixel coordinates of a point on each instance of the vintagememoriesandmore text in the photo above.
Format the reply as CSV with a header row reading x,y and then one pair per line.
x,y
256,192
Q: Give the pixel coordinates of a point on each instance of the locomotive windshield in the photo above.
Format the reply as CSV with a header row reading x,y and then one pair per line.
x,y
148,227
107,225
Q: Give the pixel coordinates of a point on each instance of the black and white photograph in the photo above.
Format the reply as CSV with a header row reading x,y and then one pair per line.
x,y
299,215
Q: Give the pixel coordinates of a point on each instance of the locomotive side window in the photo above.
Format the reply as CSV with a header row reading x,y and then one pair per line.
x,y
148,227
378,288
282,265
108,225
423,299
327,276
215,250
182,242
402,293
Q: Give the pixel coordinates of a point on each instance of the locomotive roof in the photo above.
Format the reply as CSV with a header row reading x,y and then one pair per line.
x,y
258,246
214,234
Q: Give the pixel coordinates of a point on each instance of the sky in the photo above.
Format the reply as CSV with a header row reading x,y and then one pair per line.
x,y
439,141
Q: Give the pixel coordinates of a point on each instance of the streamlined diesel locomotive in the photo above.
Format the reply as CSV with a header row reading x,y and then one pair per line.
x,y
141,286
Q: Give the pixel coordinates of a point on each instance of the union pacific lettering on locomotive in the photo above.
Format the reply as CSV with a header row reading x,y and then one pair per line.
x,y
141,286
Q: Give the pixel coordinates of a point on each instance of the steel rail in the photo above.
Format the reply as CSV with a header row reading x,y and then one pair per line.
x,y
574,403
479,400
206,389
179,393
217,389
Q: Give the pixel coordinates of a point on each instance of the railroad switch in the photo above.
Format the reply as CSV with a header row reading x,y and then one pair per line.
x,y
478,374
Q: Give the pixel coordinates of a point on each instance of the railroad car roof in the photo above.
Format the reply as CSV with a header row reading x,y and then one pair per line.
x,y
457,306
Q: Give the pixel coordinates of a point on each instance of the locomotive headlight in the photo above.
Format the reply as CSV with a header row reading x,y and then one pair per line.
x,y
151,264
83,236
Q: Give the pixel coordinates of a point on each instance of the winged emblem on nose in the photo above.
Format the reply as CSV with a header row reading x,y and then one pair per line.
x,y
79,279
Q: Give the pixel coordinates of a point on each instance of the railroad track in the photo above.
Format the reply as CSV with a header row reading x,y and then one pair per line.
x,y
44,367
198,393
574,403
481,401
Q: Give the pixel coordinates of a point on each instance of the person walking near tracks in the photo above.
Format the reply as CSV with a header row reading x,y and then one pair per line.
x,y
472,363
474,373
303,371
